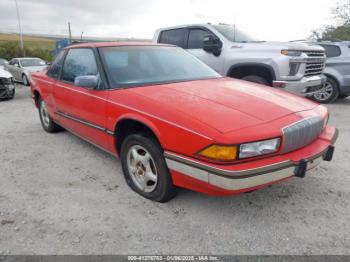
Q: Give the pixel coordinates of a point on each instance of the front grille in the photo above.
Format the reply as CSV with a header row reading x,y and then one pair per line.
x,y
314,53
301,133
315,62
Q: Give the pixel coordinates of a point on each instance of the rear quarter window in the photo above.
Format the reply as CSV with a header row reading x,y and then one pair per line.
x,y
56,66
173,37
332,50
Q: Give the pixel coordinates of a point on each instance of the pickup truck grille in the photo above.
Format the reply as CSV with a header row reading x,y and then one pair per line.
x,y
301,133
315,62
315,53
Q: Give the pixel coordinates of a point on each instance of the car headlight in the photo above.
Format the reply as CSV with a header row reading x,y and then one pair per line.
x,y
219,152
259,148
291,52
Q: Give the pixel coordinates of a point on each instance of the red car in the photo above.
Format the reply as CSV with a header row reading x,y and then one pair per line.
x,y
175,122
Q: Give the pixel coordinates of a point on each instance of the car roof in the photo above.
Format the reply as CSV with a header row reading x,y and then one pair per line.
x,y
110,44
332,43
25,58
185,26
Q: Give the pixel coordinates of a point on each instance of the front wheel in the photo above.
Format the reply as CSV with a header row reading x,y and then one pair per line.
x,y
256,79
145,169
329,93
46,121
25,80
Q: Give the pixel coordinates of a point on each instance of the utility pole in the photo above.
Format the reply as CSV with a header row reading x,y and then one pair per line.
x,y
81,36
70,34
20,29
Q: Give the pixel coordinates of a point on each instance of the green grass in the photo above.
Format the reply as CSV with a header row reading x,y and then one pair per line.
x,y
29,41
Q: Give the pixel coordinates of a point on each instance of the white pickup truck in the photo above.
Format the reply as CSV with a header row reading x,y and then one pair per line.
x,y
295,67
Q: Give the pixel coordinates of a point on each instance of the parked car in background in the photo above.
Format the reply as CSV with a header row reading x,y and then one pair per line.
x,y
7,85
295,67
175,122
337,71
3,62
22,68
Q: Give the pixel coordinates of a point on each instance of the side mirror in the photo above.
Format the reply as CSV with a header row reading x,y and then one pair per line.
x,y
212,44
89,81
16,65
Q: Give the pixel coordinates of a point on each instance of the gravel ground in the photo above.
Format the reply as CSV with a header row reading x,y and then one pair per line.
x,y
61,195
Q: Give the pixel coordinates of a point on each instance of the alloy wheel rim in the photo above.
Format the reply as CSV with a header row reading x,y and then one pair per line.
x,y
44,114
142,168
325,93
25,82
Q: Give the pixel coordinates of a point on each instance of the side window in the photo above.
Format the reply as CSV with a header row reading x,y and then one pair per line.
x,y
332,50
173,37
56,66
195,38
79,62
13,62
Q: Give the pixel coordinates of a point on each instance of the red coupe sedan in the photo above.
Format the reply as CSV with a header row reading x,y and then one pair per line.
x,y
175,122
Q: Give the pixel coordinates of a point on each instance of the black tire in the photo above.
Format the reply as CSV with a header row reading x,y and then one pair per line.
x,y
46,121
256,79
25,80
343,96
164,189
329,93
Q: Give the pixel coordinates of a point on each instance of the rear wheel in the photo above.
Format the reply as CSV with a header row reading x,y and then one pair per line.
x,y
256,79
46,121
145,169
329,93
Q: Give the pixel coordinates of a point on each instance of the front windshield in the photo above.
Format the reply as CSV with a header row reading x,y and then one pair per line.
x,y
3,61
32,62
232,33
142,65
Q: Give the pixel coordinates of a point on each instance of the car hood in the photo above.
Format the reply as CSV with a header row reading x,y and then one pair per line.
x,y
4,73
32,69
283,45
225,104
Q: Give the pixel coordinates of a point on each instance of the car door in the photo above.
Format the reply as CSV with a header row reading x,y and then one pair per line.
x,y
82,110
195,46
55,96
14,68
337,63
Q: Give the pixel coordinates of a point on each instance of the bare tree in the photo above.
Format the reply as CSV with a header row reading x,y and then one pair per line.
x,y
342,12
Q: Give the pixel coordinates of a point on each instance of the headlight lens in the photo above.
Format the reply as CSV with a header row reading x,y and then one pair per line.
x,y
291,52
259,148
219,152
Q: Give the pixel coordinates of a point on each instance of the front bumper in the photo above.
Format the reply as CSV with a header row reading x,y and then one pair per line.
x,y
307,86
225,180
7,89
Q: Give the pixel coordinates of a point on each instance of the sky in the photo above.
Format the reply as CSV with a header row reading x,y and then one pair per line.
x,y
275,20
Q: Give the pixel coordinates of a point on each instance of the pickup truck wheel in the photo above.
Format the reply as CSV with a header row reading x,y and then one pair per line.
x,y
25,80
256,79
145,169
329,93
46,121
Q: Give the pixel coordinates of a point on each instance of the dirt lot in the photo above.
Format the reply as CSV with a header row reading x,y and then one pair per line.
x,y
60,195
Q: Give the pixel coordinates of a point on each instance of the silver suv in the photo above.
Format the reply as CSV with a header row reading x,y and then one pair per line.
x,y
337,71
296,67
